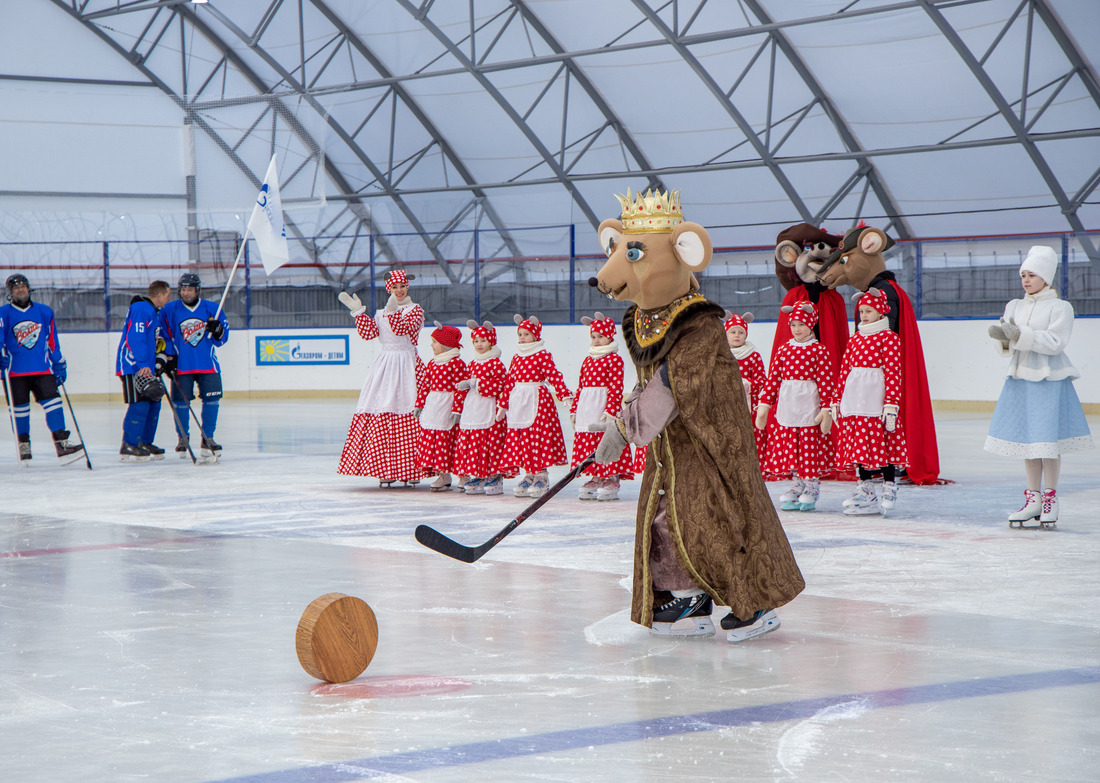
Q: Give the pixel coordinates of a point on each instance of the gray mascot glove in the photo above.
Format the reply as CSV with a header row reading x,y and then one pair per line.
x,y
611,444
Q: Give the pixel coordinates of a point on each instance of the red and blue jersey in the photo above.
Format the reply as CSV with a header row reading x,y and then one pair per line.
x,y
184,329
138,346
30,338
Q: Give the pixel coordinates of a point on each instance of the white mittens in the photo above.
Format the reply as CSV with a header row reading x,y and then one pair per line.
x,y
825,419
762,416
352,302
890,417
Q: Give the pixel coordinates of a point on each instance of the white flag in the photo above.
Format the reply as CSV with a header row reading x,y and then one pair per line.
x,y
266,223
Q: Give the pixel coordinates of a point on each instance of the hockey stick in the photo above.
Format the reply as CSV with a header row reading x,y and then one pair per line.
x,y
11,418
76,426
194,417
176,416
433,539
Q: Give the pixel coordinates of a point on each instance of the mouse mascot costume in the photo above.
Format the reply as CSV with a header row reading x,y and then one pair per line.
x,y
707,532
858,262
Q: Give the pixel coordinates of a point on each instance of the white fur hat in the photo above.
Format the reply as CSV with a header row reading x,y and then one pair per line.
x,y
1042,261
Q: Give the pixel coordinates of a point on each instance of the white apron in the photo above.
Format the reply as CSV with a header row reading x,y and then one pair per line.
x,y
437,410
799,403
591,406
523,405
864,392
391,383
478,413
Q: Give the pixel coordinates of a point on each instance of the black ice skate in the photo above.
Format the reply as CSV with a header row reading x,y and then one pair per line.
x,y
130,453
740,630
210,453
182,446
66,452
154,451
688,616
24,447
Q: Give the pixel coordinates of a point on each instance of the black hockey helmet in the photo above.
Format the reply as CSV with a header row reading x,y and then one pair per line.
x,y
14,280
190,279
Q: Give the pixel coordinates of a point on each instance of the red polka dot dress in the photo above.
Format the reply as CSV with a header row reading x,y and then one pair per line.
x,y
799,384
439,400
381,441
480,441
600,390
870,377
534,440
751,365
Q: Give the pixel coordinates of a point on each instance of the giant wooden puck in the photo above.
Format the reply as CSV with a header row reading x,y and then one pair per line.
x,y
336,637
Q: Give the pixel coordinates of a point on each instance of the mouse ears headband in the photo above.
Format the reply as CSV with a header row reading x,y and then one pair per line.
x,y
600,325
733,320
485,330
531,324
397,277
873,298
804,312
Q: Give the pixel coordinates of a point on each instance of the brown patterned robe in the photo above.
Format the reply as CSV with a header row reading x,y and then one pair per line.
x,y
701,475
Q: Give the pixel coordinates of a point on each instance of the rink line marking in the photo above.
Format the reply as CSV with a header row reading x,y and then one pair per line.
x,y
65,550
637,731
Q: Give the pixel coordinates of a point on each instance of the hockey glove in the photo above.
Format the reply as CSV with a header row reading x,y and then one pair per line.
x,y
214,326
1011,330
762,416
60,372
5,361
351,301
890,417
611,444
166,364
825,420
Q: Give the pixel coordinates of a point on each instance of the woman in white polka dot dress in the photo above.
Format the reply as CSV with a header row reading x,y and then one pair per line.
x,y
800,386
599,392
872,437
381,441
439,407
480,440
534,440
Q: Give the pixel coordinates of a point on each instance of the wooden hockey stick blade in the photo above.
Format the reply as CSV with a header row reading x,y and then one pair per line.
x,y
433,539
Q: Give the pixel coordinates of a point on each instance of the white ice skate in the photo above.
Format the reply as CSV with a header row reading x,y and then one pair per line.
x,y
863,502
475,486
789,499
442,483
764,622
588,490
1049,515
520,489
609,489
1030,511
889,497
807,501
539,484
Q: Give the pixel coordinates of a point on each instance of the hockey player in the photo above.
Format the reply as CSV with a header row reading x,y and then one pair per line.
x,y
30,356
134,365
192,329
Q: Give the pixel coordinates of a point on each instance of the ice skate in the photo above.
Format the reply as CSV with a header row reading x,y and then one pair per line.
x,y
154,451
385,483
539,485
130,453
1030,511
589,489
1049,515
789,499
609,489
66,452
688,616
762,622
182,447
475,486
807,501
494,485
24,447
889,497
520,489
863,502
442,483
210,452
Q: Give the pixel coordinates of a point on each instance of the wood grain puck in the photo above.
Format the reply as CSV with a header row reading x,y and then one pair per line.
x,y
336,637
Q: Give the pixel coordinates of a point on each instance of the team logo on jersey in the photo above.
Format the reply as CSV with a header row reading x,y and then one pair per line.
x,y
192,331
27,332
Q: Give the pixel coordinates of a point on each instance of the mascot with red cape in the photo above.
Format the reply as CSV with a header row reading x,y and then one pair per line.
x,y
800,252
858,262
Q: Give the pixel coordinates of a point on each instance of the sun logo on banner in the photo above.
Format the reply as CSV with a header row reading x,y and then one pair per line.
x,y
274,351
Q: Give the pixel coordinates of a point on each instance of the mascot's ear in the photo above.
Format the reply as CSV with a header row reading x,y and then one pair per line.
x,y
873,240
747,318
471,324
609,233
517,319
691,244
586,320
787,252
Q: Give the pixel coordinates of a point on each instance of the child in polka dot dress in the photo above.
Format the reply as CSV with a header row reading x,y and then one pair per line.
x,y
381,441
599,392
800,386
534,440
872,437
480,441
751,365
439,407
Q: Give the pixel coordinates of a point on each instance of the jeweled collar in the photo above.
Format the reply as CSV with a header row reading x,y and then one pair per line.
x,y
650,326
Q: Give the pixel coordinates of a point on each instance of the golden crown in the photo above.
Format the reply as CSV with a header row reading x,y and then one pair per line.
x,y
650,213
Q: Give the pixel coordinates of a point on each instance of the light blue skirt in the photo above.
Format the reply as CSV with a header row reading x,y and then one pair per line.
x,y
1038,420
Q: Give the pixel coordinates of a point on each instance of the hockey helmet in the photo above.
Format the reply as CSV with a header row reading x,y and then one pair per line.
x,y
190,279
14,280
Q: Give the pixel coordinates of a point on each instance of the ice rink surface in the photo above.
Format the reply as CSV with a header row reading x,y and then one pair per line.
x,y
149,613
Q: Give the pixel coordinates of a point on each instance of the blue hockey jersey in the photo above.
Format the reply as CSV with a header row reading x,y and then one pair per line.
x,y
184,330
138,346
29,337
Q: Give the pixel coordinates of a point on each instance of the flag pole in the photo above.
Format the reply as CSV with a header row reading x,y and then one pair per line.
x,y
233,271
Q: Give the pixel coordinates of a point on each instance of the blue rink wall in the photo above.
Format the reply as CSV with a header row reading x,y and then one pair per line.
x,y
964,364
